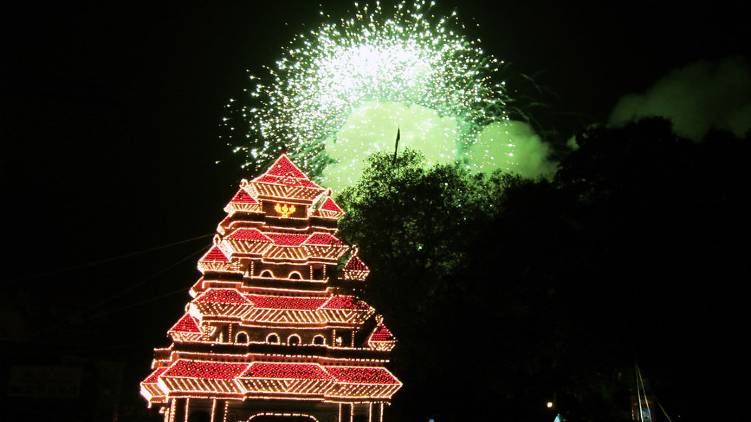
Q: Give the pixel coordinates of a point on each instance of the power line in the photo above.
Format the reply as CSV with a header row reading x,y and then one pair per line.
x,y
148,278
137,304
111,259
129,288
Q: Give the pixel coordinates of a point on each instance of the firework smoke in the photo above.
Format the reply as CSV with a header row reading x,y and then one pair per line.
x,y
339,92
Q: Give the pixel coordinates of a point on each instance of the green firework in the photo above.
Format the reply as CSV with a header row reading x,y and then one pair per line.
x,y
407,59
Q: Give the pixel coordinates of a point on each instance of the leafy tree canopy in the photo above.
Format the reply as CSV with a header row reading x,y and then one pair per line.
x,y
507,293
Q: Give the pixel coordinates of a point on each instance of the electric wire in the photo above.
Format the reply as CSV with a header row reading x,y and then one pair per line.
x,y
664,412
137,304
644,390
111,259
148,278
140,283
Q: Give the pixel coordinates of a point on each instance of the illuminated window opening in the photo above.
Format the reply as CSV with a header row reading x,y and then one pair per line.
x,y
267,273
272,338
319,340
294,275
293,340
241,338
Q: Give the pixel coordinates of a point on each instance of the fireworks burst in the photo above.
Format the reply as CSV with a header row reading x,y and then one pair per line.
x,y
409,59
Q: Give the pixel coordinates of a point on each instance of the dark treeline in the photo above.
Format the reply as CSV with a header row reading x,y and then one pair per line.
x,y
508,293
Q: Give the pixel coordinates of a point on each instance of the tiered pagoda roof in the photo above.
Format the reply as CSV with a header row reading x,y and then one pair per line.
x,y
277,313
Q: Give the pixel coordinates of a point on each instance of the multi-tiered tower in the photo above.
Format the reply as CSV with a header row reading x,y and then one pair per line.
x,y
276,329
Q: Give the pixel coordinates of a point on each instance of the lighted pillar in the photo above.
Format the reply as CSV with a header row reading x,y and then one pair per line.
x,y
181,410
217,410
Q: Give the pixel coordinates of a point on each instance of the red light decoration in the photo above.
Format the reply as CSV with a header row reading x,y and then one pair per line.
x,y
381,333
354,269
355,264
330,205
207,370
151,379
328,209
345,302
251,235
287,239
286,302
323,239
362,375
283,167
287,370
186,324
215,255
226,351
243,197
243,201
381,338
222,296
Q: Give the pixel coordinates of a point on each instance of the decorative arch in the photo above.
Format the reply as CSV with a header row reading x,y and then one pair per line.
x,y
295,275
319,340
281,417
267,273
241,338
294,340
272,338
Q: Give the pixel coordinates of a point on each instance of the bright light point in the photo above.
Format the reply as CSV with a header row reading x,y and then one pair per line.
x,y
549,405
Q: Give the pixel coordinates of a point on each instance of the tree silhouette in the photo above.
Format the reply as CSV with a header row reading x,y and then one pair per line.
x,y
508,293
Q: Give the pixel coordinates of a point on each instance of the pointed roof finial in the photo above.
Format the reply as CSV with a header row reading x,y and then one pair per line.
x,y
396,145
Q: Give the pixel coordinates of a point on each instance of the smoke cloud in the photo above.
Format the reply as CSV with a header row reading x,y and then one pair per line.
x,y
514,147
696,98
508,146
372,128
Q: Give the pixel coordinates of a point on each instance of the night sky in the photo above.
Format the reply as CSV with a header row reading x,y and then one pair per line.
x,y
110,134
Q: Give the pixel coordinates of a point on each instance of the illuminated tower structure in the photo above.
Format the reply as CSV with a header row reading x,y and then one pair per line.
x,y
276,329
